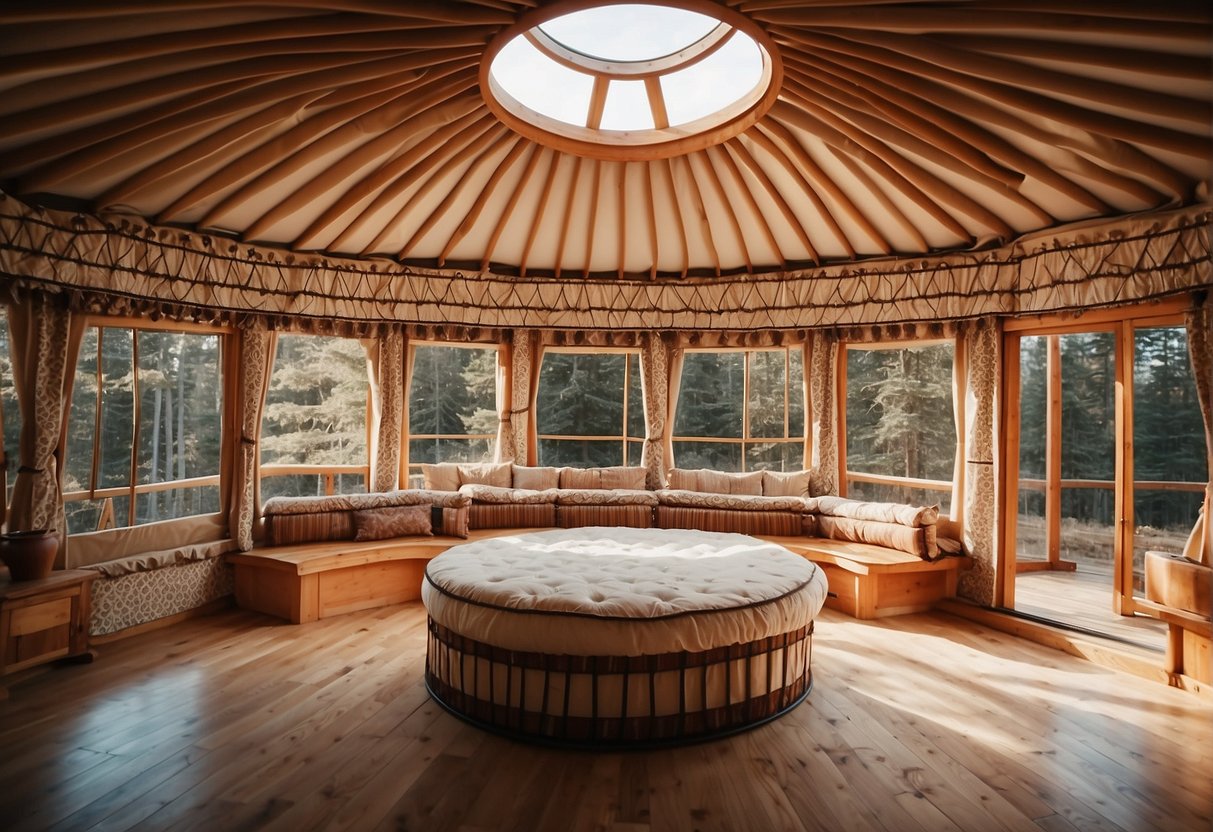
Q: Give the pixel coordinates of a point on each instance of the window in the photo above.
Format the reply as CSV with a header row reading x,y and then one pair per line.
x,y
452,405
741,411
144,431
313,431
10,413
590,410
900,428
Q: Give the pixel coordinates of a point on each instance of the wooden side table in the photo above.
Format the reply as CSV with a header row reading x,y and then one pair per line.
x,y
44,620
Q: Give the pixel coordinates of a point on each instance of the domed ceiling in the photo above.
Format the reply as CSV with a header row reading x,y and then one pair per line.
x,y
367,127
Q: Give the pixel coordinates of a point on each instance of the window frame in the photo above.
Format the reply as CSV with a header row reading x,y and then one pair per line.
x,y
224,333
953,487
329,472
413,469
624,439
746,439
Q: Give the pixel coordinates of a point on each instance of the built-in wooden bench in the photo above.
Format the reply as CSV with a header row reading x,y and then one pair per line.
x,y
309,581
872,581
306,582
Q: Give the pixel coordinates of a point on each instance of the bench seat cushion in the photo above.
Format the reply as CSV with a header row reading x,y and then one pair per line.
x,y
729,502
605,497
511,496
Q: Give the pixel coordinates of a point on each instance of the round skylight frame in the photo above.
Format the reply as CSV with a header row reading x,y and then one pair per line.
x,y
638,144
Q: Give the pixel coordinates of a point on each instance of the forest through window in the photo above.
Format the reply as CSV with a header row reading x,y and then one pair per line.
x,y
590,409
900,423
741,411
313,431
144,430
452,404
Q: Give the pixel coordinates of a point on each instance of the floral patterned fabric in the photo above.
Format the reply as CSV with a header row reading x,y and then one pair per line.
x,y
355,502
654,386
879,512
256,357
391,521
386,364
732,502
141,597
1200,348
516,496
605,497
980,528
823,374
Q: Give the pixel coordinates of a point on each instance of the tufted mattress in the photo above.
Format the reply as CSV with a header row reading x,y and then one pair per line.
x,y
620,636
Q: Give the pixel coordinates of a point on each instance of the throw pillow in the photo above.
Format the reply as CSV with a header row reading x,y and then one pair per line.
x,y
394,521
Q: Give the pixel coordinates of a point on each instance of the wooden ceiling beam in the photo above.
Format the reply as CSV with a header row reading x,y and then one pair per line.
x,y
486,197
747,158
701,210
508,210
723,201
942,152
895,52
910,77
651,216
592,225
743,189
537,220
808,167
293,150
795,170
30,11
566,218
1141,61
924,117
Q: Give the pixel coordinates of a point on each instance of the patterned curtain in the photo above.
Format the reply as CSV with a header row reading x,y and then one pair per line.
x,y
385,366
806,395
406,385
520,391
505,446
256,361
676,359
960,374
1200,348
980,515
823,382
654,386
45,342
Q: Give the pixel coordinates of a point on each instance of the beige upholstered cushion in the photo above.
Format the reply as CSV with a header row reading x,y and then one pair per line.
x,y
623,592
734,502
356,502
518,496
441,477
605,497
395,521
618,476
785,484
536,479
890,535
879,512
486,473
715,482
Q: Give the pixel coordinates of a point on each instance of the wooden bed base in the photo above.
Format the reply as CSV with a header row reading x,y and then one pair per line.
x,y
311,581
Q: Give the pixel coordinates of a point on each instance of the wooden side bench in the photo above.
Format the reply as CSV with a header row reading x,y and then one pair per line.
x,y
873,582
309,581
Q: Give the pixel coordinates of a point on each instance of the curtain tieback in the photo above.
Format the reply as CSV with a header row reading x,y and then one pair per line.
x,y
25,469
246,440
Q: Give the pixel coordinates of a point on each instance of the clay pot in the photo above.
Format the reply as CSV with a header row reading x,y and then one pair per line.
x,y
29,555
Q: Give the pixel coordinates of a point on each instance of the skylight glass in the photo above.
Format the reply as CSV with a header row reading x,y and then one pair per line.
x,y
606,80
725,75
629,32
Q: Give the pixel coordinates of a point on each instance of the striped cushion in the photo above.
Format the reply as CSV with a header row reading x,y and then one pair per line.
x,y
726,520
288,529
507,516
450,521
573,517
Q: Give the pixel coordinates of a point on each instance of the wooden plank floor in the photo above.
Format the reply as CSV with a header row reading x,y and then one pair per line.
x,y
1083,598
927,722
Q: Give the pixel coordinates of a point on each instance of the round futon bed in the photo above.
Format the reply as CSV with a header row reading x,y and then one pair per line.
x,y
620,636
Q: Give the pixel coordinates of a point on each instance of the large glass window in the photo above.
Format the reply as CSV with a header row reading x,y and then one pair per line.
x,y
144,430
313,432
452,405
900,428
590,409
741,411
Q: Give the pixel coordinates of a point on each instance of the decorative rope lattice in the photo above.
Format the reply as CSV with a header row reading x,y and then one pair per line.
x,y
127,267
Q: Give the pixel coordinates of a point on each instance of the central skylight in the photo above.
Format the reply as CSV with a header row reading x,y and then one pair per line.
x,y
620,81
